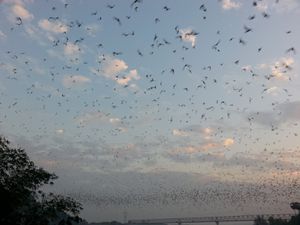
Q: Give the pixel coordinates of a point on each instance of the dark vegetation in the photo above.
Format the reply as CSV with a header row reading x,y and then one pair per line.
x,y
22,202
295,220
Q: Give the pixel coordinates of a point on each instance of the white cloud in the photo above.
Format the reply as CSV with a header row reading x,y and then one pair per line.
x,y
283,6
90,117
19,11
75,80
229,4
92,29
286,5
117,70
98,116
2,35
60,131
281,68
54,27
133,74
112,67
71,49
187,36
262,6
273,90
114,120
181,133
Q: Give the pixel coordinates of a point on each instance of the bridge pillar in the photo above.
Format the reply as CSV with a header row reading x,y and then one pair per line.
x,y
217,222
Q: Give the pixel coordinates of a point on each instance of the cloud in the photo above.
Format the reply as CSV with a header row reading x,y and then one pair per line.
x,y
91,117
262,6
114,120
281,68
203,147
181,133
19,11
194,131
117,70
54,27
98,116
228,142
92,29
75,80
187,36
71,49
59,131
112,67
286,6
280,7
230,4
282,113
132,75
273,91
2,35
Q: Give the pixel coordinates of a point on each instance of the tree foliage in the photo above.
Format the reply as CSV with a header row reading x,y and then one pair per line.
x,y
22,201
295,220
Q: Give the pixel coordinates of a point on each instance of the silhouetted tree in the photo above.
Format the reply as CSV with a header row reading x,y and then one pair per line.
x,y
279,221
295,220
21,200
260,221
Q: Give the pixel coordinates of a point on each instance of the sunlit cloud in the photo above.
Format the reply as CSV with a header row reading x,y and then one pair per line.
x,y
75,80
181,133
59,131
117,70
54,27
19,11
228,142
71,50
112,67
114,120
281,68
124,80
98,116
191,149
273,90
230,4
187,36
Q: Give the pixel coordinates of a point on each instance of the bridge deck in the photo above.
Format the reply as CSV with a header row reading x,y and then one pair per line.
x,y
239,218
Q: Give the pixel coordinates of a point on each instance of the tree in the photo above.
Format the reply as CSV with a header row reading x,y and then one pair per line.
x,y
260,221
21,200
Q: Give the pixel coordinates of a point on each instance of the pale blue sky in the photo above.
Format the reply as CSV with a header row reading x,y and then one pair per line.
x,y
101,93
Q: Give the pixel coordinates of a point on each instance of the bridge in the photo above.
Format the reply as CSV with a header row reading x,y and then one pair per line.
x,y
208,219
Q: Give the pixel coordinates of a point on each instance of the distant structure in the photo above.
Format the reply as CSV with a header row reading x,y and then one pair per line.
x,y
210,219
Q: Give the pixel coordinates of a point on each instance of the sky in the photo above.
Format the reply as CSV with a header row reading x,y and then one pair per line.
x,y
153,109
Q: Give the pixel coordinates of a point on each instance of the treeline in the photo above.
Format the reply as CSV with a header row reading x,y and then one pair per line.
x,y
295,220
